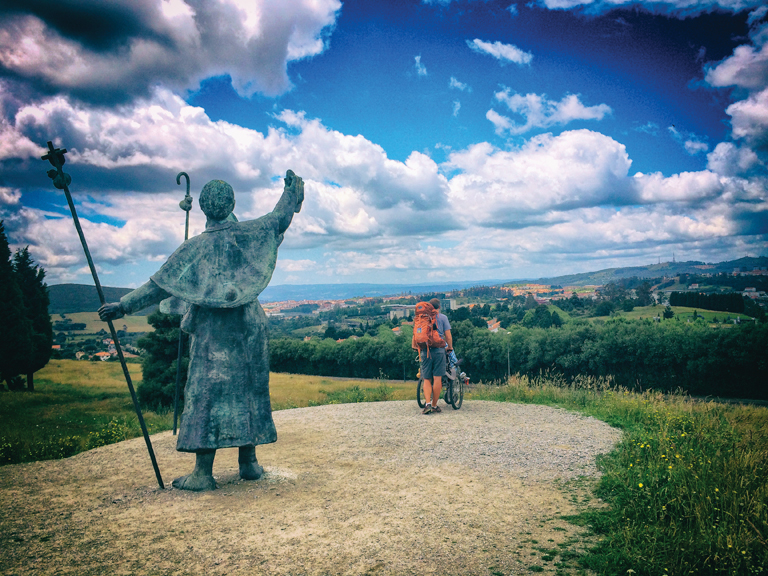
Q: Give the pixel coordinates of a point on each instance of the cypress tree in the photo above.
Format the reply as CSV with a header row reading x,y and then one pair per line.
x,y
15,329
30,278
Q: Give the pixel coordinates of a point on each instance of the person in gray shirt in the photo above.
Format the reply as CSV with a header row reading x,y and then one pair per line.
x,y
433,364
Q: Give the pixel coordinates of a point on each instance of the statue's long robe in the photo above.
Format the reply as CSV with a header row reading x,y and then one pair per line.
x,y
220,273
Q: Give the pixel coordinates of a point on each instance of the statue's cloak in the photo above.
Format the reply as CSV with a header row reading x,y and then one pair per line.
x,y
227,266
219,275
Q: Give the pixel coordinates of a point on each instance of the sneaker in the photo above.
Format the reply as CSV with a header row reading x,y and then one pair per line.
x,y
436,409
427,409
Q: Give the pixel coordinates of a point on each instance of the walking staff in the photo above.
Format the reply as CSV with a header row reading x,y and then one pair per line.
x,y
61,180
185,205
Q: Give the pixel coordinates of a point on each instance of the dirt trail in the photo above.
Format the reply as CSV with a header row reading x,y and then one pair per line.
x,y
333,501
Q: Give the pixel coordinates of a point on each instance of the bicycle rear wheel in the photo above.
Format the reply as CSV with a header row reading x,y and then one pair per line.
x,y
449,387
458,393
420,393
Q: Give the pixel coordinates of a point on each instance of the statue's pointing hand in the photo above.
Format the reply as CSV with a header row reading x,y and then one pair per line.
x,y
296,185
111,311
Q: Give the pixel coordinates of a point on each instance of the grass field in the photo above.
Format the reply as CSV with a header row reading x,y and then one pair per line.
x,y
80,405
682,312
93,324
686,488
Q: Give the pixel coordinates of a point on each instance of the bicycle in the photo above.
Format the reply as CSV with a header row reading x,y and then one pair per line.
x,y
453,387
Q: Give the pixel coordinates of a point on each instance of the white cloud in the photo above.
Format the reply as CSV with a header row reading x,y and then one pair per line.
x,y
507,188
749,118
421,70
692,143
127,47
502,52
456,107
9,196
694,147
567,196
539,112
501,123
512,8
459,85
288,265
686,186
685,6
731,160
746,68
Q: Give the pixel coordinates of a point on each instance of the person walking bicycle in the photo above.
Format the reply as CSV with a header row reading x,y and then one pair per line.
x,y
432,338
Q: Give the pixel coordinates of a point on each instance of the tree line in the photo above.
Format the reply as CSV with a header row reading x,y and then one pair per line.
x,y
728,302
637,354
26,336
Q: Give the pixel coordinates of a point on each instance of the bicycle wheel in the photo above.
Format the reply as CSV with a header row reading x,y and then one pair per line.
x,y
420,393
448,391
458,393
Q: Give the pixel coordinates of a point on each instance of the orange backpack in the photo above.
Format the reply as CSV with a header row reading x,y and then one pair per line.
x,y
425,333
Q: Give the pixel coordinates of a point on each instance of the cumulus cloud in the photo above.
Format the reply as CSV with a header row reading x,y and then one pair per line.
x,y
511,188
355,193
110,52
731,160
749,119
365,214
502,52
746,68
9,196
539,112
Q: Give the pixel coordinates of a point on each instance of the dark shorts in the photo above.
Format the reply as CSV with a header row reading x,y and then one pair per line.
x,y
434,365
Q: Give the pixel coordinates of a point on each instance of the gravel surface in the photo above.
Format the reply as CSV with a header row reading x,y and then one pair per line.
x,y
527,441
349,489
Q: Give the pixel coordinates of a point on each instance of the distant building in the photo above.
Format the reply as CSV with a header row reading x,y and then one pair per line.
x,y
401,310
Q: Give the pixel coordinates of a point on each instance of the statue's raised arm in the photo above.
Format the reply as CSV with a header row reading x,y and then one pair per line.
x,y
290,202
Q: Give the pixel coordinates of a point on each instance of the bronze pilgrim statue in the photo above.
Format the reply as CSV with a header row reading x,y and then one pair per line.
x,y
218,276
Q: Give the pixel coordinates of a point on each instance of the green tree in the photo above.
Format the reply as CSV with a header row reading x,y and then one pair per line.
x,y
15,328
643,293
31,280
668,312
604,308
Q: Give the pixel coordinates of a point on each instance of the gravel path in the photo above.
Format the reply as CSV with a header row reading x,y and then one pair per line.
x,y
527,441
349,489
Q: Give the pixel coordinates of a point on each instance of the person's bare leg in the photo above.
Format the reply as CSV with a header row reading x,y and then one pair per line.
x,y
427,387
201,478
437,387
249,466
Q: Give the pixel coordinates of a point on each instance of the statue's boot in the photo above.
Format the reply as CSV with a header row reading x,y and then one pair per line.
x,y
249,466
201,478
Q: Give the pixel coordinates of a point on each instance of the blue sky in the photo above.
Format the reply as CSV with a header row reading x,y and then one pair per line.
x,y
443,140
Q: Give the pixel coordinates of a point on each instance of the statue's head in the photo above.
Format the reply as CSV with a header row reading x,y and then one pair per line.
x,y
217,199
